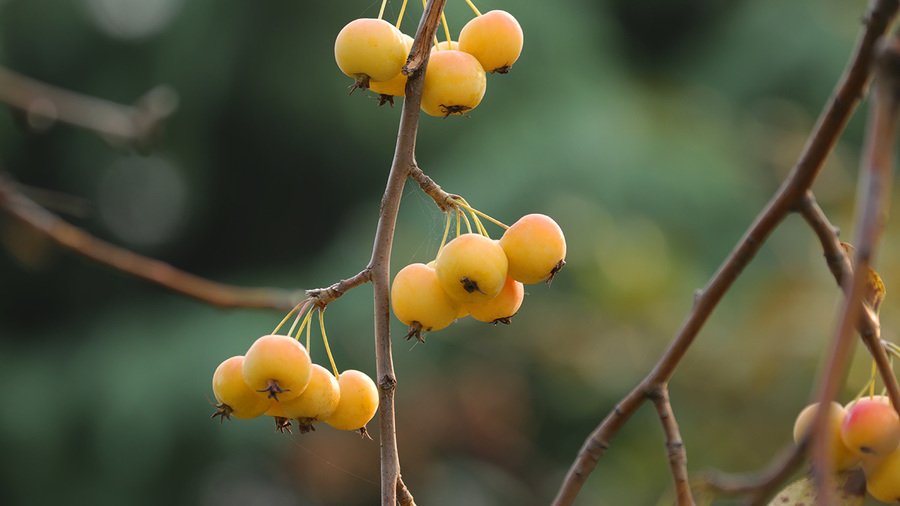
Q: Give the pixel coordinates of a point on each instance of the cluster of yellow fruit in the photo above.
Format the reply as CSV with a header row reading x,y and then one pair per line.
x,y
276,377
373,52
864,433
475,275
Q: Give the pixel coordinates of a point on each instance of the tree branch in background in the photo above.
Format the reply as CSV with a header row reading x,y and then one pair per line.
x,y
759,485
27,212
675,446
874,194
137,124
838,261
830,124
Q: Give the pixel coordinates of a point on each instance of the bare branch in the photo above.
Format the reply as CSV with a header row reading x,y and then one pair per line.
x,y
760,485
136,124
868,327
675,446
325,296
54,228
403,495
443,199
874,185
421,49
830,124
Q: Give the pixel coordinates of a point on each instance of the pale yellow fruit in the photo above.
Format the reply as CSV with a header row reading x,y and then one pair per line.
x,y
358,403
318,401
472,268
369,49
454,83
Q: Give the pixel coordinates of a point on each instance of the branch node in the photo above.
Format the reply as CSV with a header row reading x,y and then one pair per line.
x,y
387,383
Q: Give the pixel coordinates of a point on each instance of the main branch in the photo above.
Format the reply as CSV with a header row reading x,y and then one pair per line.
x,y
380,264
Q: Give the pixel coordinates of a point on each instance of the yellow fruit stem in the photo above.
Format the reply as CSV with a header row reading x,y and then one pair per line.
x,y
869,388
872,381
468,225
400,17
325,340
305,321
446,29
381,11
461,202
446,233
301,303
307,331
473,7
892,349
478,225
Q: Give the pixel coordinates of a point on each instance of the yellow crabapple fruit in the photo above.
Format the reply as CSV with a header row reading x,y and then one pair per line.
x,y
369,49
494,38
418,298
235,397
395,86
883,478
535,247
871,428
501,308
454,83
472,268
277,366
463,310
358,402
445,45
317,402
843,457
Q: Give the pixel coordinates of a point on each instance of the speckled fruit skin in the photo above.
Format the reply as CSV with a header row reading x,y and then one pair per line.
x,y
472,268
358,403
454,83
369,49
277,358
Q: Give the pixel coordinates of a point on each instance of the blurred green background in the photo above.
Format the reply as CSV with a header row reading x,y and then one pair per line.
x,y
653,131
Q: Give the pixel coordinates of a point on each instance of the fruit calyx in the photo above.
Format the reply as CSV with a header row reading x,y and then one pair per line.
x,y
273,389
223,411
470,285
555,271
415,330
